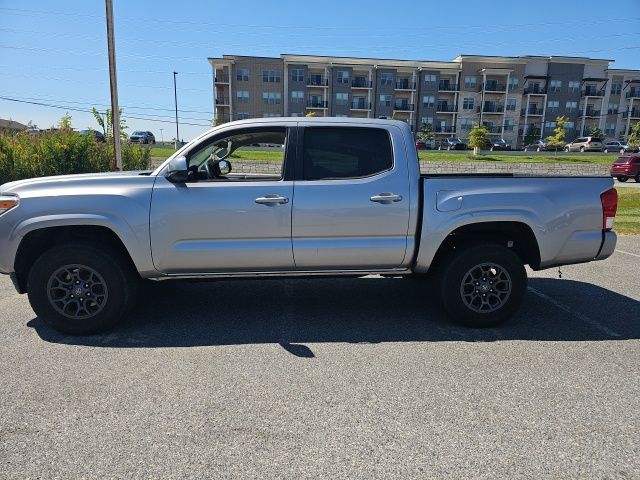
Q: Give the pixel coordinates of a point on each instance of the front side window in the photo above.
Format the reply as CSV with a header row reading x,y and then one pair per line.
x,y
337,153
254,155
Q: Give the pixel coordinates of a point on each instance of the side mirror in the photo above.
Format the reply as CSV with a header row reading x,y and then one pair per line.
x,y
224,167
177,171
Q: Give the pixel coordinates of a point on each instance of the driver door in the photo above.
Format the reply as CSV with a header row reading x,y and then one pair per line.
x,y
238,222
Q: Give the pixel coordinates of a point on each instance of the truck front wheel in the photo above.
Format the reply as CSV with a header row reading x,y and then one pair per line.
x,y
79,289
482,286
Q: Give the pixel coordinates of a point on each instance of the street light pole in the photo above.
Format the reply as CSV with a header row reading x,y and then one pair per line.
x,y
113,81
175,99
162,135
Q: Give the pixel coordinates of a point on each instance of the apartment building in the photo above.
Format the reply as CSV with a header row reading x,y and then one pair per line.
x,y
516,98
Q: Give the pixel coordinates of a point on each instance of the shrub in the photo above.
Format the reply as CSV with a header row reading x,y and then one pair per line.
x,y
62,152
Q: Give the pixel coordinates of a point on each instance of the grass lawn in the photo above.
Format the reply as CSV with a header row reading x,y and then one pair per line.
x,y
628,216
162,152
517,157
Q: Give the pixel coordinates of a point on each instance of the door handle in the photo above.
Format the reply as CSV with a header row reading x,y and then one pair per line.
x,y
272,199
386,198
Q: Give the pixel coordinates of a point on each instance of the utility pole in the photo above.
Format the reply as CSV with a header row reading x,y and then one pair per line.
x,y
161,135
175,99
115,110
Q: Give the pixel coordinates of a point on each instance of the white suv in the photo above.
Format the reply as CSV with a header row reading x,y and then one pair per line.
x,y
584,144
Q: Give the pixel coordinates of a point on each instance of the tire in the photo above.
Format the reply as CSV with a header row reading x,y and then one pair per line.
x,y
624,179
637,177
581,149
108,295
621,151
538,149
605,150
474,309
567,149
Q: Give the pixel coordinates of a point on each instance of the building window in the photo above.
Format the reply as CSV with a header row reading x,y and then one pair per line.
x,y
470,82
430,79
297,74
616,88
386,79
508,125
427,120
242,96
342,98
242,74
466,124
574,86
555,85
549,124
511,104
569,125
271,115
271,76
385,100
343,76
571,106
553,105
428,101
297,96
613,108
243,115
271,97
513,83
610,129
296,114
467,103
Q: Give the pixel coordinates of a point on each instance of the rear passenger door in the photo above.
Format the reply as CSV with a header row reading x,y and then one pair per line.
x,y
351,200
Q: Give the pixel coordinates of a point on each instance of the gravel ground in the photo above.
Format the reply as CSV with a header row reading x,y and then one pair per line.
x,y
349,378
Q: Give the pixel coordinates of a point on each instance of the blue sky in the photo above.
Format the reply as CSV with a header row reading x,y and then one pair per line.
x,y
55,52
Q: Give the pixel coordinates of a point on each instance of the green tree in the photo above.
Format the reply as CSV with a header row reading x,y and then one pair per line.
x,y
310,114
596,132
557,139
478,137
65,122
426,133
634,137
532,135
106,123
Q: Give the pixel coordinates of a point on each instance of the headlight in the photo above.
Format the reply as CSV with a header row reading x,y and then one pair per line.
x,y
7,203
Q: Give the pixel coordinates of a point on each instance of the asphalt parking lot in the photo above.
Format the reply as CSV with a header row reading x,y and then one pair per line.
x,y
349,378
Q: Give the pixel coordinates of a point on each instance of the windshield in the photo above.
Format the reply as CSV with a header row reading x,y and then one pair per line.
x,y
137,133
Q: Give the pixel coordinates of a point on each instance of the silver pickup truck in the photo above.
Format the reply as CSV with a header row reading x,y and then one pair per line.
x,y
294,197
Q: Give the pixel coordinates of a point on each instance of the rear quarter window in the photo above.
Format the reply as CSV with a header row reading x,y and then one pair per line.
x,y
345,152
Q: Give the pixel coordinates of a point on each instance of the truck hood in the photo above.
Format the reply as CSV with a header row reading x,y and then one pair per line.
x,y
70,181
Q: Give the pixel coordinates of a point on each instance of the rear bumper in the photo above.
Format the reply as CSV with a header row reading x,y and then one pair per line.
x,y
608,246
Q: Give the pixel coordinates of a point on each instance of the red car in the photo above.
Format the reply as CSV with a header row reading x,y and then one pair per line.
x,y
626,167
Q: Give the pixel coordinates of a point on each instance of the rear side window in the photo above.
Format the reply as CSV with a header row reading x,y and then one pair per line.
x,y
345,152
596,139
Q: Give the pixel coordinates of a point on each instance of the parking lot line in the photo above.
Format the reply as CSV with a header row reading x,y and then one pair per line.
x,y
576,314
628,253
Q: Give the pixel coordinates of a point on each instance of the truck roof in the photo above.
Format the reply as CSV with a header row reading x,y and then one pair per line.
x,y
356,121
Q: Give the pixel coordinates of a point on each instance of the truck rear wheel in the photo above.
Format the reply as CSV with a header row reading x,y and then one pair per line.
x,y
79,289
482,286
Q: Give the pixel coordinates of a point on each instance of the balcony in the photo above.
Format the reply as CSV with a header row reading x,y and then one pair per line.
x,y
445,86
592,92
492,109
633,94
360,105
360,83
317,104
445,129
223,118
535,90
445,108
494,87
405,84
222,79
590,112
222,101
317,81
633,113
403,106
531,111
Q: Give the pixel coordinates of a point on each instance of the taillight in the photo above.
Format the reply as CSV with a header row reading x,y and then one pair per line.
x,y
609,200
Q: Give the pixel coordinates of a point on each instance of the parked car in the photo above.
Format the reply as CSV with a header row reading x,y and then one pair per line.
x,y
452,143
626,167
420,145
496,144
584,144
96,134
541,146
619,147
81,244
142,137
